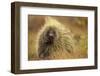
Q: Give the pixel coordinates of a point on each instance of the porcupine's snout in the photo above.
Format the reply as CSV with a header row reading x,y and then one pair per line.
x,y
51,35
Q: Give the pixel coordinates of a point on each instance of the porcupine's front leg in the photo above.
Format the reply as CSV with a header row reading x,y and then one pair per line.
x,y
43,51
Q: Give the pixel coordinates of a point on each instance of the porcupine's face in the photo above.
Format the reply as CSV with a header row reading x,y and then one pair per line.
x,y
50,36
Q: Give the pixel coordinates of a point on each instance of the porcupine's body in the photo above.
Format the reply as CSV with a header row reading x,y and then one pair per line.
x,y
55,41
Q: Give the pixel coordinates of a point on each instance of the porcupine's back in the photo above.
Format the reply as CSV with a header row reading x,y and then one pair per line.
x,y
55,41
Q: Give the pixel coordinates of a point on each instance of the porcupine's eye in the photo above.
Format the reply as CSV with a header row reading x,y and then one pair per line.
x,y
51,34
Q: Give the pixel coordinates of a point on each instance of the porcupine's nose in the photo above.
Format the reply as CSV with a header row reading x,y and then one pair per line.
x,y
51,35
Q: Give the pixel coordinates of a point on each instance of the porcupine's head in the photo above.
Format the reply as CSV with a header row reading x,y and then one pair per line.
x,y
52,37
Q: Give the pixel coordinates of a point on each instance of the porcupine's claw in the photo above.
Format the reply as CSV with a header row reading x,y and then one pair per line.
x,y
43,54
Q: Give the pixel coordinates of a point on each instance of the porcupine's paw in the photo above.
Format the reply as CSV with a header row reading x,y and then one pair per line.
x,y
43,54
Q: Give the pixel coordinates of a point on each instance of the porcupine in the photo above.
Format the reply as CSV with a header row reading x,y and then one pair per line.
x,y
55,41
